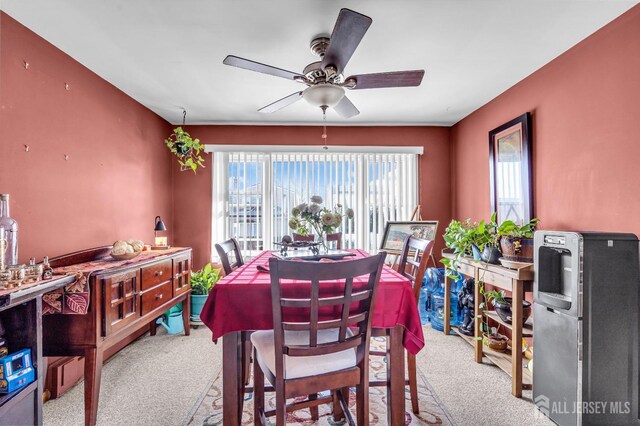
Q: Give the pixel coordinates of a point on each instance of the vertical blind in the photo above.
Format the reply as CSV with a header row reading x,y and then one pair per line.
x,y
253,193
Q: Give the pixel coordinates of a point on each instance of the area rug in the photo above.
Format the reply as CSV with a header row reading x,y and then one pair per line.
x,y
208,410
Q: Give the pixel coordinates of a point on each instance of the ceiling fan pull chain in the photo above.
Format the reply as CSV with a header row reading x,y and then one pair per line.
x,y
324,126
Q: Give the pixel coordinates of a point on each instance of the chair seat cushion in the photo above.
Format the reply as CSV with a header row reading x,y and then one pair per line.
x,y
303,366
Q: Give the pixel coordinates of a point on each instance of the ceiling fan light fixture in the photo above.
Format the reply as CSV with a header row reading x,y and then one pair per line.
x,y
323,95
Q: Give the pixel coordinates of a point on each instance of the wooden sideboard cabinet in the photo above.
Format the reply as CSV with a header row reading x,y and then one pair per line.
x,y
123,300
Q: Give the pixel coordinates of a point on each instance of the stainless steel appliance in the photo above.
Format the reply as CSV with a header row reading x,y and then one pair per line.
x,y
586,295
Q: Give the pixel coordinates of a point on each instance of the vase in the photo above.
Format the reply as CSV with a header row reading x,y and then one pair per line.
x,y
476,252
517,249
197,303
322,242
491,254
503,309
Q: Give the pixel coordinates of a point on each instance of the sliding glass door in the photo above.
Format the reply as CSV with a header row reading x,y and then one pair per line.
x,y
253,193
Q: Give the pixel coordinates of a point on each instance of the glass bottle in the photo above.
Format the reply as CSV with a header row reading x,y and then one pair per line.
x,y
47,271
10,227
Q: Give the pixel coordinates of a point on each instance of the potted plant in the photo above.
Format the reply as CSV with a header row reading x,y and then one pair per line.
x,y
503,305
202,282
516,242
466,238
186,149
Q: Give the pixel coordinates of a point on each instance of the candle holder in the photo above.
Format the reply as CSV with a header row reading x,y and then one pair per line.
x,y
160,239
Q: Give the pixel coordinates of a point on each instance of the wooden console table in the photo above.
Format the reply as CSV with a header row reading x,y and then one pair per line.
x,y
515,281
123,300
21,316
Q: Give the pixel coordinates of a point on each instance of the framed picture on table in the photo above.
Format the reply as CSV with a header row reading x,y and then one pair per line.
x,y
395,233
510,170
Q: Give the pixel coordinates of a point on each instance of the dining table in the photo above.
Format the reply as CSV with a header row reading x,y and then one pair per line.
x,y
240,303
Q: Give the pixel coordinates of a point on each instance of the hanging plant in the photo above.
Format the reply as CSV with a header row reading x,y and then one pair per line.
x,y
185,148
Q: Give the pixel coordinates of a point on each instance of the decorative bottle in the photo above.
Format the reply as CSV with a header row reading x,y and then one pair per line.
x,y
10,227
47,271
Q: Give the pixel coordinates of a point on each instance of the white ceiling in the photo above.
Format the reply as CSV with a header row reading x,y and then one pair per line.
x,y
167,54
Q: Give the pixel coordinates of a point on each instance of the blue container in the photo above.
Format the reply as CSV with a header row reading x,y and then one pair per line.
x,y
432,281
437,306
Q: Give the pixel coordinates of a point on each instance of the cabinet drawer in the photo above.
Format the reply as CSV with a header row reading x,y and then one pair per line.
x,y
155,297
155,274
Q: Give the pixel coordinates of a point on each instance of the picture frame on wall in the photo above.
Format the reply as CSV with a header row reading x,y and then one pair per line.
x,y
510,170
395,233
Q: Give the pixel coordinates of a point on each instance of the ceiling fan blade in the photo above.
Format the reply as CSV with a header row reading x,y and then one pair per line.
x,y
388,79
346,36
281,103
345,108
247,64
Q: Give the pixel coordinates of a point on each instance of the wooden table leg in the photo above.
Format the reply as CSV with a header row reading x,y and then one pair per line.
x,y
92,375
477,320
153,327
395,375
447,305
516,339
232,394
186,314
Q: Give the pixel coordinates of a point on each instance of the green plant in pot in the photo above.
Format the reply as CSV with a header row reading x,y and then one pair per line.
x,y
187,149
466,238
516,241
202,282
502,305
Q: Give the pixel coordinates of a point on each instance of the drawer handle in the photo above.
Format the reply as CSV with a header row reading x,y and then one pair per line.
x,y
158,273
159,296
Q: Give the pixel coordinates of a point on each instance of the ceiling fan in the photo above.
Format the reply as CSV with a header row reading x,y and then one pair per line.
x,y
325,80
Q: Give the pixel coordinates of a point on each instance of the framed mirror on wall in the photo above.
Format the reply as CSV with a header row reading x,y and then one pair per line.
x,y
510,170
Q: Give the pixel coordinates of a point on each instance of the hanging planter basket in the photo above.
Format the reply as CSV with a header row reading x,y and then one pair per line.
x,y
186,149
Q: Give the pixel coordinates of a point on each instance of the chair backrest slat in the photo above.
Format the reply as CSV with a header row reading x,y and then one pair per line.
x,y
340,296
346,307
324,348
413,267
226,247
323,325
315,294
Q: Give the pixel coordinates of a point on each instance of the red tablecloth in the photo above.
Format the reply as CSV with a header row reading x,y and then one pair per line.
x,y
242,302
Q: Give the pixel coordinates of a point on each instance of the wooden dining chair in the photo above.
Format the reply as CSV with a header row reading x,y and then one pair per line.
x,y
298,237
412,265
320,342
336,237
226,247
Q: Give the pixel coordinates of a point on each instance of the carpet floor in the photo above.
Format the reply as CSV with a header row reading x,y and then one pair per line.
x,y
162,380
208,412
153,381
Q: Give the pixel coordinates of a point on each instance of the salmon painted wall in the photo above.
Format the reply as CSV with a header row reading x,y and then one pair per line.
x,y
192,193
585,106
118,174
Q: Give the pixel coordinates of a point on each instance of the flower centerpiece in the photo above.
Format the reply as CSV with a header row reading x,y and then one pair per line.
x,y
313,217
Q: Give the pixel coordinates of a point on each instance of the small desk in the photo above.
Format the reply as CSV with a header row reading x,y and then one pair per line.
x,y
515,281
21,315
226,314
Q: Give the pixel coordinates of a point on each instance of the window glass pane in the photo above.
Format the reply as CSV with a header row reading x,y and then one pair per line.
x,y
263,188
